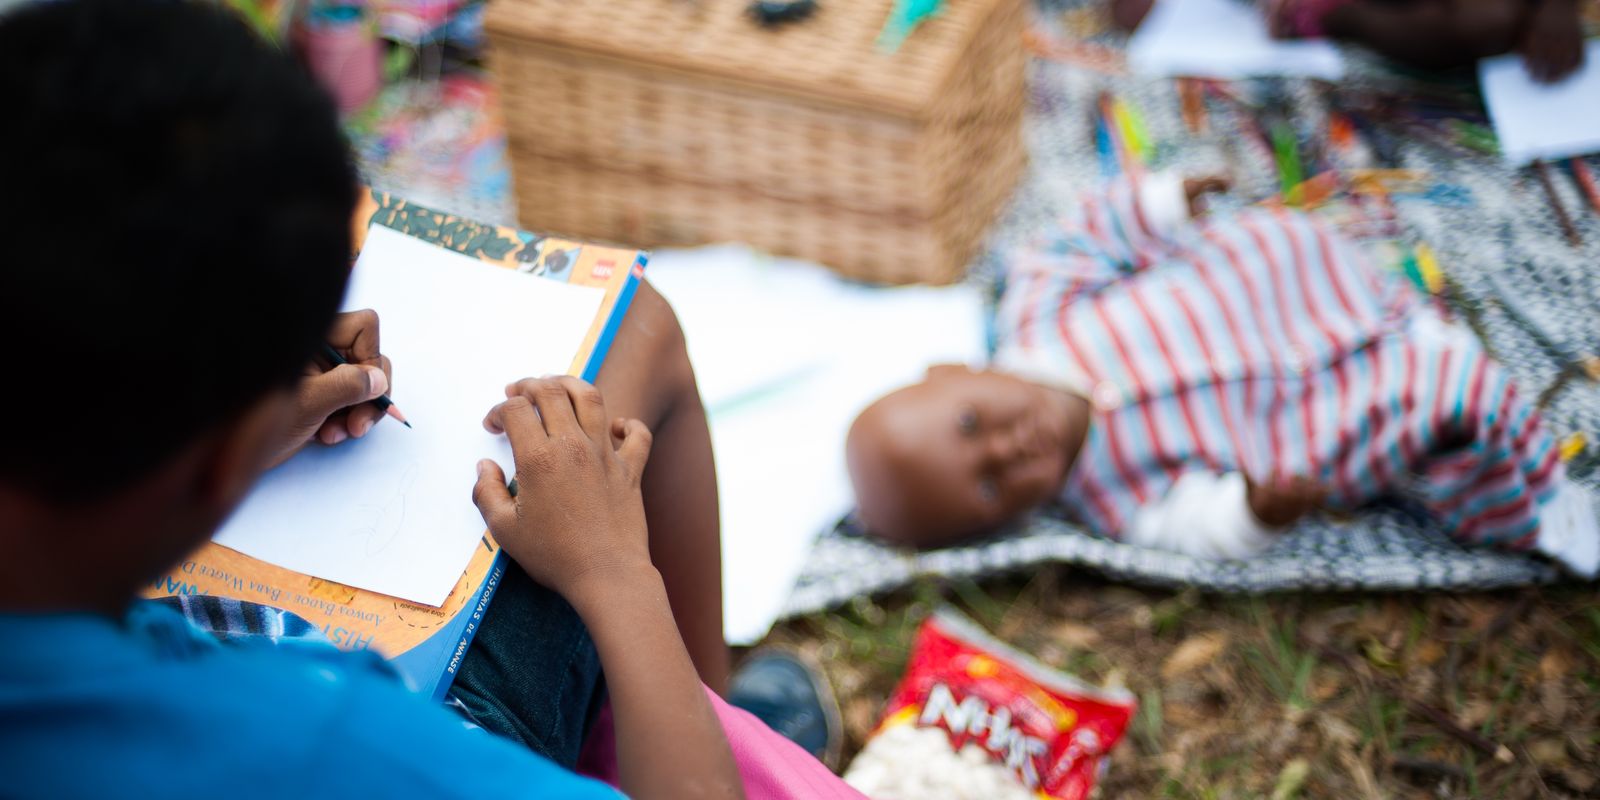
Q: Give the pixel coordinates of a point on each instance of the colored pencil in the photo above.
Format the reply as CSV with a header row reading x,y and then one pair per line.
x,y
1194,105
1119,144
1143,147
1580,170
382,401
1571,231
1286,150
1103,146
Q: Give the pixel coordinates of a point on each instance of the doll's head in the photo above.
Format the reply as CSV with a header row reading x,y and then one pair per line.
x,y
961,453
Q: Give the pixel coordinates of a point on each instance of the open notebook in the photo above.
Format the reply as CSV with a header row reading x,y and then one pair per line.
x,y
377,540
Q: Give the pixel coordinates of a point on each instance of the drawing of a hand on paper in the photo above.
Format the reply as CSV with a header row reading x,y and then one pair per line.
x,y
382,519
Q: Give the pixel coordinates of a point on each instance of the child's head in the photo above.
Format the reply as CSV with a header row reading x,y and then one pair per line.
x,y
176,200
961,453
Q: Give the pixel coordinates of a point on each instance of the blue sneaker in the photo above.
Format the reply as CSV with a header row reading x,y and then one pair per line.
x,y
792,697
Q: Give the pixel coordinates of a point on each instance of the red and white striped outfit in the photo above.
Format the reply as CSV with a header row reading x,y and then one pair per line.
x,y
1263,344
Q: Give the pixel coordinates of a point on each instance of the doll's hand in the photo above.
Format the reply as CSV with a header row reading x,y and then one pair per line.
x,y
1195,190
1283,502
1552,42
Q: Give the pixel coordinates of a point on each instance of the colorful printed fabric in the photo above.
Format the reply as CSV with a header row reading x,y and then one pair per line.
x,y
241,622
229,620
1265,344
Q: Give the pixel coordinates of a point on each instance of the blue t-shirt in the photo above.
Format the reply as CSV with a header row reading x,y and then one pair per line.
x,y
149,706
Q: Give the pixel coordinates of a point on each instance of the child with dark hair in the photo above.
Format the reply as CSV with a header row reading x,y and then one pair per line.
x,y
1199,385
1431,34
151,390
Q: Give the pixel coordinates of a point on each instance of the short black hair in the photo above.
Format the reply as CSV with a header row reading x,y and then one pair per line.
x,y
175,223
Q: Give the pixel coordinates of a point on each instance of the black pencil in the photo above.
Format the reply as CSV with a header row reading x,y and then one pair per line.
x,y
382,401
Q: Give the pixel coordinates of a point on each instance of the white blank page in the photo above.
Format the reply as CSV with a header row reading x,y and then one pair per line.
x,y
392,512
1534,120
1224,39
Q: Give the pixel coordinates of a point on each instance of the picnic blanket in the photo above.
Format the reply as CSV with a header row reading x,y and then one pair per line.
x,y
1511,273
1530,294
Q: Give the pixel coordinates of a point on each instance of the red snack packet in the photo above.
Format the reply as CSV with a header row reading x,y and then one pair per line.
x,y
1050,731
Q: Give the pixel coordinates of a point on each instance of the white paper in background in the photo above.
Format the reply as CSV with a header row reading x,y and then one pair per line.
x,y
392,512
1535,120
1224,39
786,355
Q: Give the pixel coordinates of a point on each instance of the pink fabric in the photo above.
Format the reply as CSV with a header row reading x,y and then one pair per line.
x,y
1300,19
772,767
346,59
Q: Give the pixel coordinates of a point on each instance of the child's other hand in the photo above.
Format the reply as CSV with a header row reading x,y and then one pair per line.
x,y
1195,190
333,405
578,514
1283,502
1552,42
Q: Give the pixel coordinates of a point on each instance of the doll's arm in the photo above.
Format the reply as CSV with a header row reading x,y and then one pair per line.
x,y
1117,229
1203,515
1133,215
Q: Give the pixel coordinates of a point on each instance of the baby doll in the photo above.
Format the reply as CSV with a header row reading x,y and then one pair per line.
x,y
1431,34
1198,386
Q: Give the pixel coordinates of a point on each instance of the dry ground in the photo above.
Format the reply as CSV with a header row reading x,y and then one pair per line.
x,y
1290,695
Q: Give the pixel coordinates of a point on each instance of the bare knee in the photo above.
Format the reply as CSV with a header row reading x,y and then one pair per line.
x,y
661,335
647,371
651,316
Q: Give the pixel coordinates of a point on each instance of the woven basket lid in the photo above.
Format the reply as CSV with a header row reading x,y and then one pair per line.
x,y
831,56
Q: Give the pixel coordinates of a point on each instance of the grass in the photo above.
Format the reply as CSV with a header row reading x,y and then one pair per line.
x,y
1307,696
1278,660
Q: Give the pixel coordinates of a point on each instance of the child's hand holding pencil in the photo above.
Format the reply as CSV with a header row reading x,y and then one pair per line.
x,y
345,390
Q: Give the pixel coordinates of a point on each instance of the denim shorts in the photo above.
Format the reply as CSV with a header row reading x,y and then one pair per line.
x,y
532,674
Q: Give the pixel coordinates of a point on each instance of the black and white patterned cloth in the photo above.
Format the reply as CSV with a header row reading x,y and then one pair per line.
x,y
1534,298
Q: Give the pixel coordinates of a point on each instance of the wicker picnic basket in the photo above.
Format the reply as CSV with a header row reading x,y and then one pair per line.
x,y
662,122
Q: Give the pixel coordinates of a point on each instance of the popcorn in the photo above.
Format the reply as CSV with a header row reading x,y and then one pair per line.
x,y
973,719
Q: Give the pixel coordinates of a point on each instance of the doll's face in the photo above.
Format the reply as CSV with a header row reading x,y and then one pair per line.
x,y
961,453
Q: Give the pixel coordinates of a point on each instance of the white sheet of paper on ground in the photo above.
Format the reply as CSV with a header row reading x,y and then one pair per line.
x,y
1535,120
786,355
392,512
1224,39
